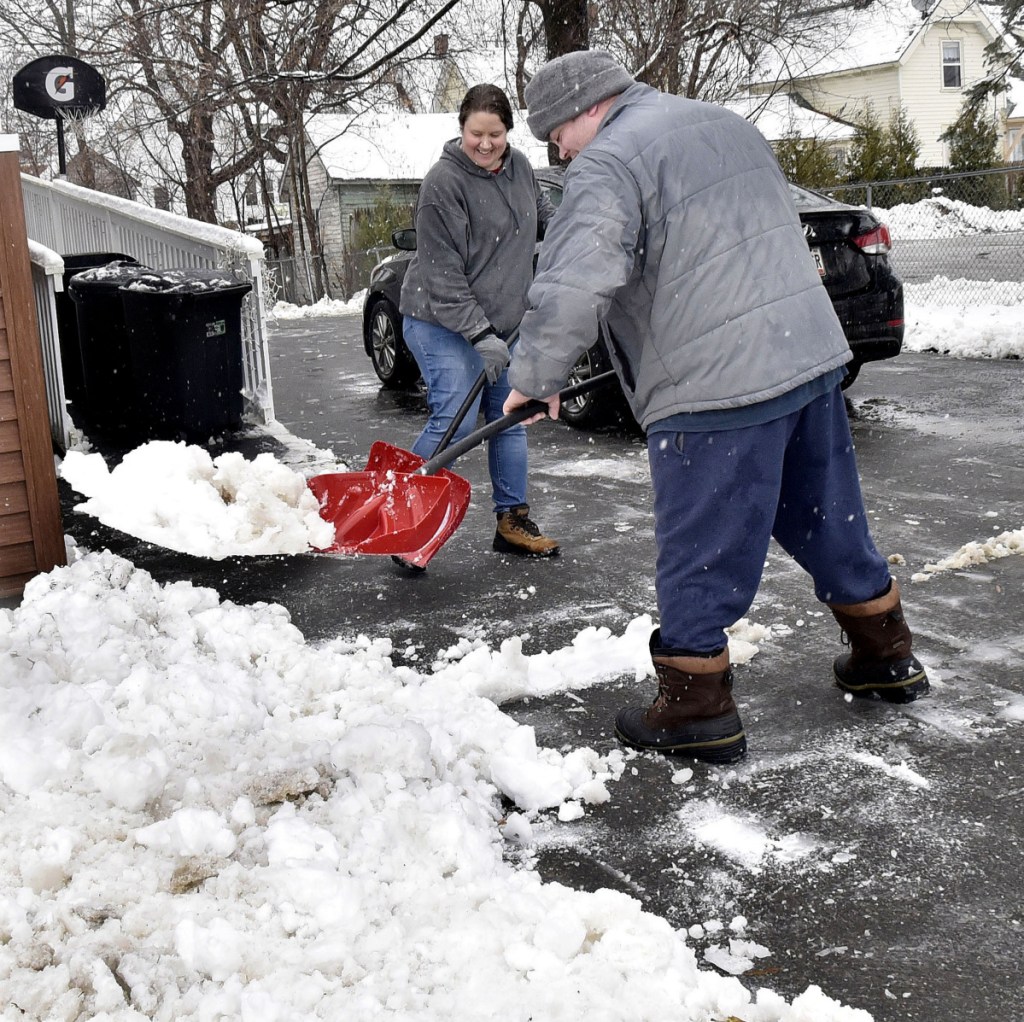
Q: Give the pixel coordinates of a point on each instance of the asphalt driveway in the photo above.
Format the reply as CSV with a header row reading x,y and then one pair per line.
x,y
889,865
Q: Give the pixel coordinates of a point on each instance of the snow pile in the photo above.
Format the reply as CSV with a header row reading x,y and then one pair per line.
x,y
323,307
202,816
986,328
177,496
976,552
941,217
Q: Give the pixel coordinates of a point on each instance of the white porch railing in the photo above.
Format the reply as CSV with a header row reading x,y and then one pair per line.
x,y
70,220
47,280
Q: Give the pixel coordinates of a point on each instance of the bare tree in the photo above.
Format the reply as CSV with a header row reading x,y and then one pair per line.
x,y
297,58
566,25
259,64
705,49
699,48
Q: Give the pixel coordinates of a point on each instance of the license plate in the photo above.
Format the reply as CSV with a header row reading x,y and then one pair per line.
x,y
818,261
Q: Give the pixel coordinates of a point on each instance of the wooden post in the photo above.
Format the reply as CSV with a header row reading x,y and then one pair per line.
x,y
31,531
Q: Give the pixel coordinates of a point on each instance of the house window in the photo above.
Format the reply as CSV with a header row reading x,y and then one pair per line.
x,y
952,67
1017,153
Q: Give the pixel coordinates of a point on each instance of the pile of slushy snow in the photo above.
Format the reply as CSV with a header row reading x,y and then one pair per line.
x,y
202,816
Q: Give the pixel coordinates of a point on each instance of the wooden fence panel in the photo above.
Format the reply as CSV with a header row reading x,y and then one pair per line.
x,y
28,482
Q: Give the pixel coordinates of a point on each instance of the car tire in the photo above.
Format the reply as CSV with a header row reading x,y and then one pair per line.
x,y
392,361
589,409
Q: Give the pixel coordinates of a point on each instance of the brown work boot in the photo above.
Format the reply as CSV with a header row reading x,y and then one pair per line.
x,y
694,713
879,664
517,534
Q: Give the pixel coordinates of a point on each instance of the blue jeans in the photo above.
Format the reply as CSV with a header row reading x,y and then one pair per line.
x,y
719,498
450,366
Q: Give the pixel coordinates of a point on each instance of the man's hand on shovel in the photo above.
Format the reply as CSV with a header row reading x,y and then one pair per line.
x,y
516,399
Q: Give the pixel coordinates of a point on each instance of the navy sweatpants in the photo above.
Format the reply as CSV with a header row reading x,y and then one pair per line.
x,y
720,496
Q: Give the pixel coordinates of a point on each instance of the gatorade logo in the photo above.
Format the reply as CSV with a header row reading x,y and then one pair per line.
x,y
60,84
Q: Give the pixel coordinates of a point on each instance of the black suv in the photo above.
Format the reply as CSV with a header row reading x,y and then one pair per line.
x,y
850,246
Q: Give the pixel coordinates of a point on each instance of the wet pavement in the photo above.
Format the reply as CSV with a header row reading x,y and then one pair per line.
x,y
889,838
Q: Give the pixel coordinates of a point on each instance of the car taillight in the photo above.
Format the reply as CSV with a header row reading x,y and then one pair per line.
x,y
876,242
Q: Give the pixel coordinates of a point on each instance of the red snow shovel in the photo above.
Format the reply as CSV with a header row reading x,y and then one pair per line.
x,y
403,506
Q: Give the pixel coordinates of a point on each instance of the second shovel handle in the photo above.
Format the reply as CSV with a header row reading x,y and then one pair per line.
x,y
527,411
473,394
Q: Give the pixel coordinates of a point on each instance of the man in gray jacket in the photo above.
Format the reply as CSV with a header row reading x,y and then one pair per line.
x,y
678,233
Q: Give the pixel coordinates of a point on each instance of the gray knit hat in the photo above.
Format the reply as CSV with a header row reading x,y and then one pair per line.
x,y
566,86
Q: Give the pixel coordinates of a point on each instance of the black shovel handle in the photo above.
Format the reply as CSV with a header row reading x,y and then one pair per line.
x,y
468,403
531,408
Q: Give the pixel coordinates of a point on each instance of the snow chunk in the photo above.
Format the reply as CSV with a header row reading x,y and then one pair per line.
x,y
175,495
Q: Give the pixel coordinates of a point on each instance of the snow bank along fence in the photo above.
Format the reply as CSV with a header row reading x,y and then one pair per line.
x,y
64,219
967,226
31,533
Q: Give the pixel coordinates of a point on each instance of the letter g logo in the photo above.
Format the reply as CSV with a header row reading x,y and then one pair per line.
x,y
60,84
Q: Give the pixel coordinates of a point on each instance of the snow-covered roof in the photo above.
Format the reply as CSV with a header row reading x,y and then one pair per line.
x,y
883,32
779,116
396,145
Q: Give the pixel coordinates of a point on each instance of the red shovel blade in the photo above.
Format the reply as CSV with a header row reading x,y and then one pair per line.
x,y
389,509
384,456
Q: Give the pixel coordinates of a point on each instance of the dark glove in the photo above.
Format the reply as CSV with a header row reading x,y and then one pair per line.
x,y
494,351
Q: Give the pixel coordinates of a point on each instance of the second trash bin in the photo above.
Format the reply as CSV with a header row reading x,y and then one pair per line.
x,y
185,340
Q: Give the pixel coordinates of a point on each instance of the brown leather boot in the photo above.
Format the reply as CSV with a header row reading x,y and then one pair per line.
x,y
694,713
879,664
517,534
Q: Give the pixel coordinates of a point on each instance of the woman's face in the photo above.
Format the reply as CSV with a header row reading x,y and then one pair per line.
x,y
484,139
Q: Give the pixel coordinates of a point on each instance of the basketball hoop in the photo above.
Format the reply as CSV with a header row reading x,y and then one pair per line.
x,y
60,88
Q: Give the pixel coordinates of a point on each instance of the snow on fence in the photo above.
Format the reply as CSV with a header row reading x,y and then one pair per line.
x,y
71,220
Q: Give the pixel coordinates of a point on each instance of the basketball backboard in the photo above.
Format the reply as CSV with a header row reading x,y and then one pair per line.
x,y
59,85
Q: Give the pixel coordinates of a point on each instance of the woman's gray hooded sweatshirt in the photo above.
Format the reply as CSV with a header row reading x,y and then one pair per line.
x,y
677,229
475,237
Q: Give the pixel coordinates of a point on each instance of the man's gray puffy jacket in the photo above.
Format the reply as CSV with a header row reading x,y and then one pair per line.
x,y
677,228
475,237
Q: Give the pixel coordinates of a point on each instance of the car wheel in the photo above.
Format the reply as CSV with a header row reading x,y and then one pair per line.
x,y
589,409
852,369
392,361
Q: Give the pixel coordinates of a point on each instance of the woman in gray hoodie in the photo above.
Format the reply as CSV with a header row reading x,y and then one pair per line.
x,y
479,216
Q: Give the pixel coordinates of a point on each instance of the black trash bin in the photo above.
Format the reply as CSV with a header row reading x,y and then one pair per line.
x,y
103,339
185,338
67,323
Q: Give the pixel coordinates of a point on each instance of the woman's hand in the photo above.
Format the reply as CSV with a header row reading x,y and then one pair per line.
x,y
494,351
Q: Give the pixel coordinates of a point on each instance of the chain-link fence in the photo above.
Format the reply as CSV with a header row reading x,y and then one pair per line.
x,y
299,280
294,279
953,227
356,267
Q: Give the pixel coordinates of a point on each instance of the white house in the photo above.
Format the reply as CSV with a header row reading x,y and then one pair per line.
x,y
920,55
